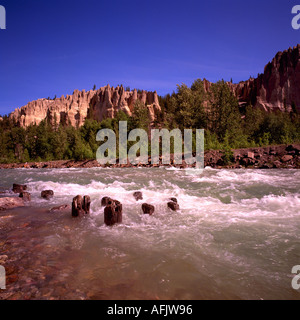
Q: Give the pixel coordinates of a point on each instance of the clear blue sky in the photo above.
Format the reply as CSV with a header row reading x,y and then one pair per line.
x,y
53,47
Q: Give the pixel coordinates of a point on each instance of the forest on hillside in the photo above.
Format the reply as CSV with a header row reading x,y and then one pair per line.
x,y
227,126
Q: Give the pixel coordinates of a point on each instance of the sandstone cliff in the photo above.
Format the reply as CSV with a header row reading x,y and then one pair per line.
x,y
73,109
277,88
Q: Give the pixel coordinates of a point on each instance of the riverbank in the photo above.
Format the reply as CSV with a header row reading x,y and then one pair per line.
x,y
279,156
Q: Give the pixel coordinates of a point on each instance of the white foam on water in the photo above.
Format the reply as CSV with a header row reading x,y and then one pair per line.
x,y
286,206
238,176
173,169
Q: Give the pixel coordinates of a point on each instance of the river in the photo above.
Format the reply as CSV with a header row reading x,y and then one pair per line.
x,y
236,235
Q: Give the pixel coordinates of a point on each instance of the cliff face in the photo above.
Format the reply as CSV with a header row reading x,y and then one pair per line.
x,y
73,109
278,87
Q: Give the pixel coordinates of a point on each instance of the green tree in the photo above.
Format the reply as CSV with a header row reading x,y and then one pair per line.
x,y
140,116
187,105
224,115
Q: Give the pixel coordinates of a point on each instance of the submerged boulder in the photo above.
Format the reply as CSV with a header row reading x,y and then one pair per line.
x,y
138,196
148,208
10,203
25,195
18,188
60,208
113,212
47,194
173,205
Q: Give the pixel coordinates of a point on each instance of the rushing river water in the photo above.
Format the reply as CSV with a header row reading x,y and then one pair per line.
x,y
236,236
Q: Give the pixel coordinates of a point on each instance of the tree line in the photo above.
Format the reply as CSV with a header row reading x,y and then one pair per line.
x,y
227,126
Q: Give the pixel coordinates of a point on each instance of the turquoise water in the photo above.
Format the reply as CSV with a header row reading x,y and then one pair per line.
x,y
236,236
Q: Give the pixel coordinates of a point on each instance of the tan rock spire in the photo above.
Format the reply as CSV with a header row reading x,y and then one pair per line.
x,y
102,103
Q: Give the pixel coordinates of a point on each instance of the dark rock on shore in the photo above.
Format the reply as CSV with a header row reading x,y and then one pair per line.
x,y
280,156
113,212
148,208
138,196
277,164
295,148
287,158
25,195
259,157
47,194
18,188
81,206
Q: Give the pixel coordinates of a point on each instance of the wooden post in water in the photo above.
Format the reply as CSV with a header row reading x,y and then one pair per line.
x,y
81,206
113,213
86,204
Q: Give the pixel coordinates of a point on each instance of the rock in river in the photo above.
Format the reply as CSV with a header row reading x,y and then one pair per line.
x,y
138,196
60,208
173,205
148,208
26,196
10,203
47,194
18,188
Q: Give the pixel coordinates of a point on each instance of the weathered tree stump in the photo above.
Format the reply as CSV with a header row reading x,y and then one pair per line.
x,y
173,206
138,196
25,195
77,207
81,206
18,188
47,194
148,208
113,213
86,205
105,201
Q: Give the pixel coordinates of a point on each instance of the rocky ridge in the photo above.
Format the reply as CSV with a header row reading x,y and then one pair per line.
x,y
276,89
96,104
